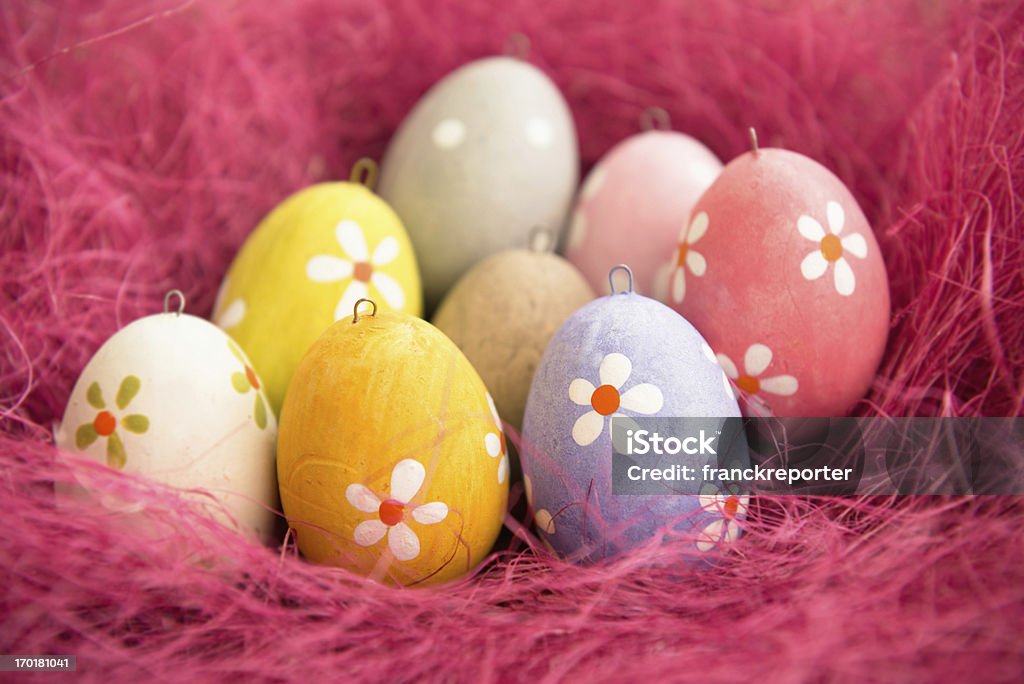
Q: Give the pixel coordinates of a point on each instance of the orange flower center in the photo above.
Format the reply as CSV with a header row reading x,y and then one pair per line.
x,y
831,247
253,380
605,400
391,512
362,271
732,504
749,384
681,258
105,423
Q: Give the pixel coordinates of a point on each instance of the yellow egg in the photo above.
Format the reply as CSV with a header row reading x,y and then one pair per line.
x,y
391,458
305,266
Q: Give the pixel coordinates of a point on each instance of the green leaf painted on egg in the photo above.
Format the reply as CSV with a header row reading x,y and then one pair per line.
x,y
94,395
240,382
116,457
127,391
260,411
136,423
85,435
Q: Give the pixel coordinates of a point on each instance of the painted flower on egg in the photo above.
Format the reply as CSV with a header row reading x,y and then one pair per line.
x,y
755,362
607,399
542,518
395,512
361,268
832,249
495,444
227,317
687,258
245,380
729,509
709,354
106,422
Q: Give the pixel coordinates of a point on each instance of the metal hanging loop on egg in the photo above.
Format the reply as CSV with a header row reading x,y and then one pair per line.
x,y
517,45
181,301
629,274
355,309
655,119
541,240
753,140
365,172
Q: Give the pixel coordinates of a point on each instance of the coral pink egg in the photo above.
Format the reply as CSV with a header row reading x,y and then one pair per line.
x,y
633,205
779,270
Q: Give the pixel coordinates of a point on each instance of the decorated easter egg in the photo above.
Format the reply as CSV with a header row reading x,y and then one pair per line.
x,y
392,461
634,203
305,266
625,357
779,269
173,398
503,312
487,154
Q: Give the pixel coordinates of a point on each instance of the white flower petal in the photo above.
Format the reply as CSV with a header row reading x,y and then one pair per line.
x,y
544,521
406,479
810,228
448,133
403,542
587,428
389,289
492,442
782,385
232,315
430,513
577,229
362,498
355,291
836,217
594,182
528,485
615,369
328,269
369,532
855,244
845,282
678,285
494,409
741,509
644,398
350,237
728,366
710,536
539,132
502,468
580,391
697,263
385,252
757,359
732,532
813,265
698,226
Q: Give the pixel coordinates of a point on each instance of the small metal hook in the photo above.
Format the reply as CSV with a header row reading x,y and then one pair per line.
x,y
542,239
611,278
518,45
364,172
655,119
753,140
181,302
355,309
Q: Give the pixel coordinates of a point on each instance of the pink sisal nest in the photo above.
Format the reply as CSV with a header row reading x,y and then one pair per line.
x,y
141,144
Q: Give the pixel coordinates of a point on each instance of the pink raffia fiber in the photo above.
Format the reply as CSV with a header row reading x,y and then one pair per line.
x,y
141,142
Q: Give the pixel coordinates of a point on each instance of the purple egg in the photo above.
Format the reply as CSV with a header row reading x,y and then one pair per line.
x,y
626,356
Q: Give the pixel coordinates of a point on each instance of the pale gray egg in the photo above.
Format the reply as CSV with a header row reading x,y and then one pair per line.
x,y
486,155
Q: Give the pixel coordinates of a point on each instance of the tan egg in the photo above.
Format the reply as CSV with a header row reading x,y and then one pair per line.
x,y
502,314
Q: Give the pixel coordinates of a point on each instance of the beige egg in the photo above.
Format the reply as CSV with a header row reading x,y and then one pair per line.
x,y
502,314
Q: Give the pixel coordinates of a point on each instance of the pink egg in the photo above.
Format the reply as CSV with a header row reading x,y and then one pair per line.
x,y
779,270
633,204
